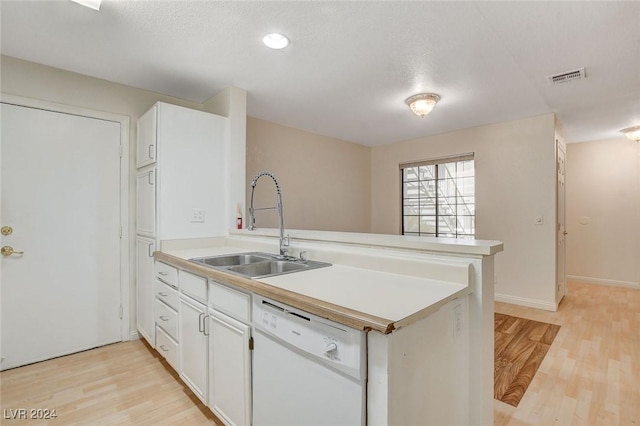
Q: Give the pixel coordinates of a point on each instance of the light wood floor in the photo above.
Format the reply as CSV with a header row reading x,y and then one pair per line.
x,y
591,374
116,384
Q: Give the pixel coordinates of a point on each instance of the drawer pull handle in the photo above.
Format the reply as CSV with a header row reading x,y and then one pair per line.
x,y
162,273
162,294
163,348
163,318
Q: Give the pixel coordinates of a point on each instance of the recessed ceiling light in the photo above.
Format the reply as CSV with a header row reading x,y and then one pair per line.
x,y
275,41
93,4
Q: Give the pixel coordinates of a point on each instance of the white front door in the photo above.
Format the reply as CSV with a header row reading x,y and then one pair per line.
x,y
60,194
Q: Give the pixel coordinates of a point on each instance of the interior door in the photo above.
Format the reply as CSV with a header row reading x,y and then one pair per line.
x,y
561,279
60,194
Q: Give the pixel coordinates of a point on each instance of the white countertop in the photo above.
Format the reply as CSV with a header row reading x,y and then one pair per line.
x,y
381,294
405,242
391,296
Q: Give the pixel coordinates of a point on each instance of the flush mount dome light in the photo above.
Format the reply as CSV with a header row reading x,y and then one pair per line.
x,y
632,133
422,103
275,41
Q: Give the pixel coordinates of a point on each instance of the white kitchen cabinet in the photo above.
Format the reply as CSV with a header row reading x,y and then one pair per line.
x,y
188,149
146,201
229,369
194,345
167,347
146,152
180,191
144,289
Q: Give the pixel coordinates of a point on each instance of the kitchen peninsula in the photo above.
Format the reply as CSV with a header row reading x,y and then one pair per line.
x,y
425,307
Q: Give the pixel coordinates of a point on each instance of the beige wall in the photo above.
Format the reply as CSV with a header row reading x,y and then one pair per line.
x,y
515,182
603,212
30,80
325,181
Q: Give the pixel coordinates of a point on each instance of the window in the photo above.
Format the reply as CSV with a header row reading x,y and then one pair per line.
x,y
438,197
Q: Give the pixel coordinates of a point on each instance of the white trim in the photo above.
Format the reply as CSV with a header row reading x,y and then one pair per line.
x,y
602,281
523,301
134,335
123,120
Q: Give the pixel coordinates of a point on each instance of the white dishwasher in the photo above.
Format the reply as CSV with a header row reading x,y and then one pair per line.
x,y
307,370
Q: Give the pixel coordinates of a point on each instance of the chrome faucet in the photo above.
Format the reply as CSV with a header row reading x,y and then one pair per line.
x,y
284,244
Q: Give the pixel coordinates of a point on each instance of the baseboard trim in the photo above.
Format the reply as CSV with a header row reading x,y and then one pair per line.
x,y
602,281
523,301
133,335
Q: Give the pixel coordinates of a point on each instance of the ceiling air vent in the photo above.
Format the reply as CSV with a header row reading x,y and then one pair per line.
x,y
567,76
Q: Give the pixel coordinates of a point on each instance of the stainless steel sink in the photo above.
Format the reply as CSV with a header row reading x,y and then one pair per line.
x,y
258,265
232,259
274,267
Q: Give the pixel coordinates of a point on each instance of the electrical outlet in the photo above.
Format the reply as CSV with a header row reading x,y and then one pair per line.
x,y
197,215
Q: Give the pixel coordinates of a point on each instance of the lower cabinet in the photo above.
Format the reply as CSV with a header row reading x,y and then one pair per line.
x,y
209,346
144,289
167,347
229,369
194,344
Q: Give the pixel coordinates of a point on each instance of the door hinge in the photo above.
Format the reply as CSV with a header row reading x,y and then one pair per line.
x,y
120,231
250,343
120,151
121,312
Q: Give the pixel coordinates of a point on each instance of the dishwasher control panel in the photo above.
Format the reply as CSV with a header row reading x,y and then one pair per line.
x,y
327,341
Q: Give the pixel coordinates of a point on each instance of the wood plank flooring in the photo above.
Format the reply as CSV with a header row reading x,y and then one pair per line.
x,y
591,374
520,347
120,384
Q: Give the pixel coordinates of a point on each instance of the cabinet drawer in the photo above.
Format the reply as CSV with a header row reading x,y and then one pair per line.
x,y
167,294
167,274
230,301
167,347
167,318
194,286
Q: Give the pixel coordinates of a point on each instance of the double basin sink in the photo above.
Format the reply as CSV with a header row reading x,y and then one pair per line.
x,y
257,264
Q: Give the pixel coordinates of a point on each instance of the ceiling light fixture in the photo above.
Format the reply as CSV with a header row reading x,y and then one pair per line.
x,y
422,103
632,133
93,4
275,41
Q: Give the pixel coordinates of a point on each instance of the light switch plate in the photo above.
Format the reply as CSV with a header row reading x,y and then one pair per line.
x,y
197,215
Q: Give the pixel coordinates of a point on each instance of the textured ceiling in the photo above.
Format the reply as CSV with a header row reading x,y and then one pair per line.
x,y
350,65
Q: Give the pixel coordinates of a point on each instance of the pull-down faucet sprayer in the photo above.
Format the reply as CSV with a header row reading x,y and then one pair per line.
x,y
252,218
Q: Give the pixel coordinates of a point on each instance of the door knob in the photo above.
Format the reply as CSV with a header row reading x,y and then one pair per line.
x,y
6,230
565,233
8,251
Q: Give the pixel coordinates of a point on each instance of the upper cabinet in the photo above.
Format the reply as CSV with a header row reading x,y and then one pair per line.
x,y
182,182
147,139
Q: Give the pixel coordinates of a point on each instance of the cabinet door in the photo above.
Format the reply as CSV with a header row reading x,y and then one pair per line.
x,y
192,180
229,369
146,152
144,289
146,199
193,346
